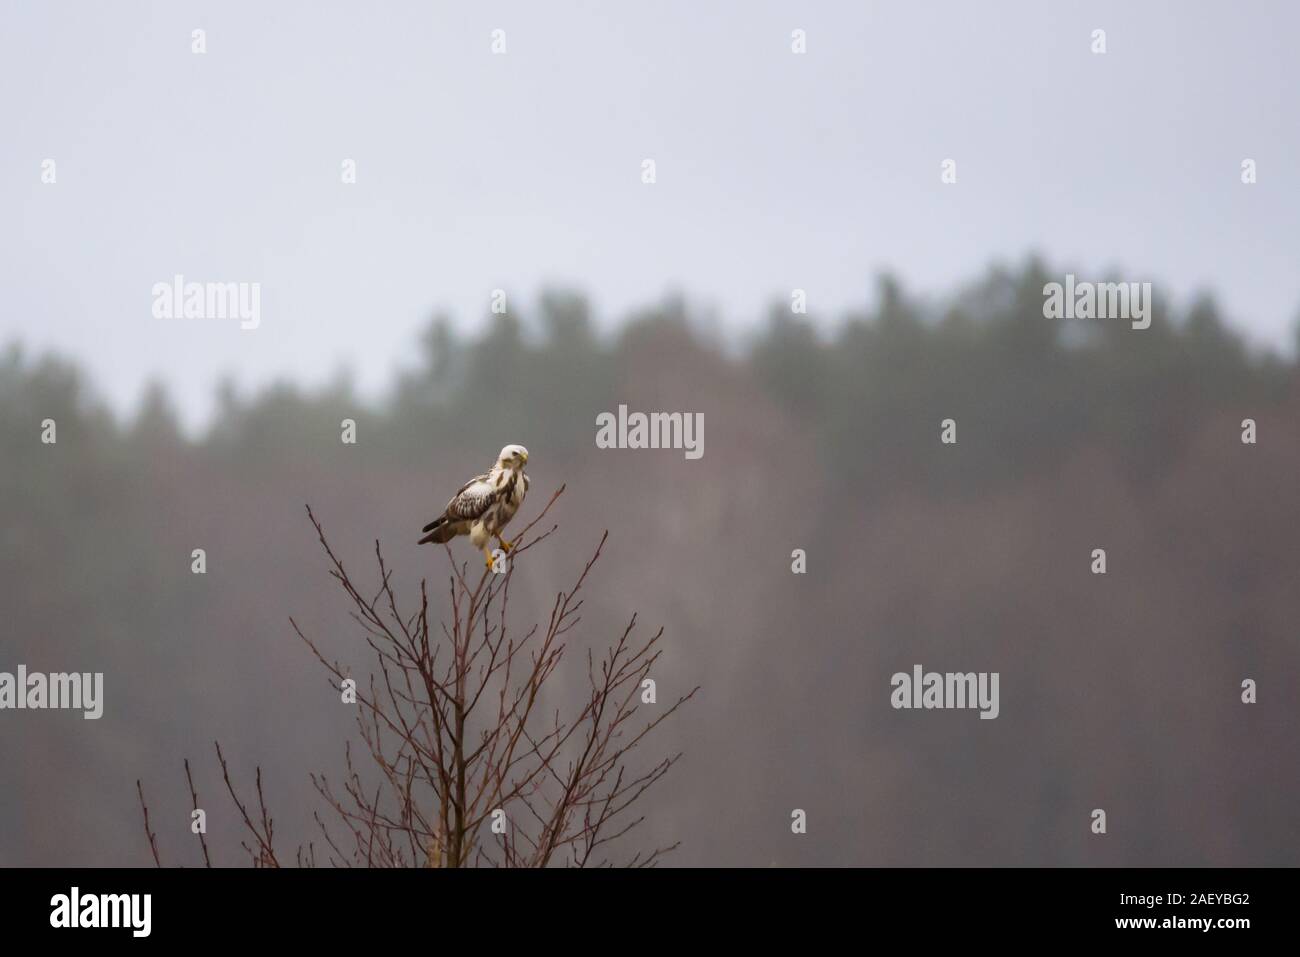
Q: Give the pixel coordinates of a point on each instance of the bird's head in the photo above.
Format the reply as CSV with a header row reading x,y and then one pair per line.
x,y
513,457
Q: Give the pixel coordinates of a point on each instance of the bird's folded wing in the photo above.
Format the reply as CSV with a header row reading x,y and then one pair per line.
x,y
473,499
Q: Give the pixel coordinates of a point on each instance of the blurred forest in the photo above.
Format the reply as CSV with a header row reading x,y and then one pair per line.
x,y
1119,691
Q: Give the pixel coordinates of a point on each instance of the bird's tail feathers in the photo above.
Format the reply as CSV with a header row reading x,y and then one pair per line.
x,y
439,532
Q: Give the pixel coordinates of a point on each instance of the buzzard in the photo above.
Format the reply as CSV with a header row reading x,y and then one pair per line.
x,y
484,504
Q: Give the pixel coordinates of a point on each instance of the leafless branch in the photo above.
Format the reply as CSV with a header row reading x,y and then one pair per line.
x,y
153,842
470,763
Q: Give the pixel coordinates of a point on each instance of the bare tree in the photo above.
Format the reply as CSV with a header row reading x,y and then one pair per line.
x,y
471,761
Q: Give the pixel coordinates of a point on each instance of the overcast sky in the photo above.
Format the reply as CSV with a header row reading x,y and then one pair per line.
x,y
522,170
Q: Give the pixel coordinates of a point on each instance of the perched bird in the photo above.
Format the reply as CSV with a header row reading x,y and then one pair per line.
x,y
484,504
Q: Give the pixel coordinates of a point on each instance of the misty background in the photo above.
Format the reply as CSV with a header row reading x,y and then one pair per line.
x,y
775,171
